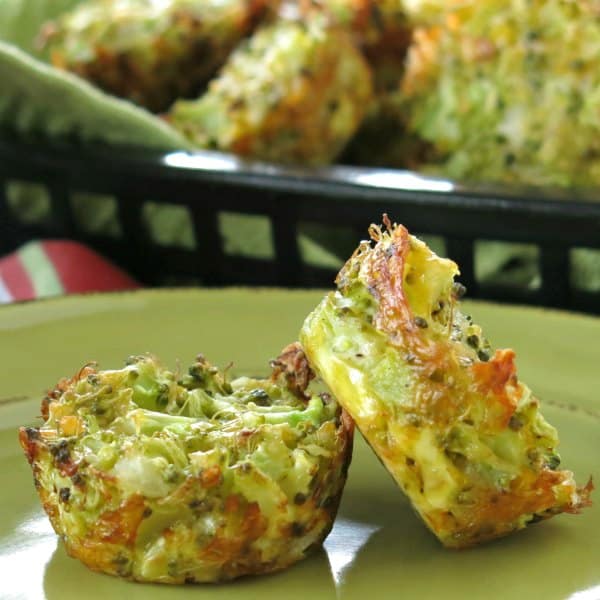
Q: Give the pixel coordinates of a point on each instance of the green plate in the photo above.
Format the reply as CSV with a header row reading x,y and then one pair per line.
x,y
378,548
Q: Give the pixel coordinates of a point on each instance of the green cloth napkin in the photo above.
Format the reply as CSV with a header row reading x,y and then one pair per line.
x,y
37,99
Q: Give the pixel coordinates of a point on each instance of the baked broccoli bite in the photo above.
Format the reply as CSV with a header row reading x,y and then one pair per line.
x,y
508,91
380,29
383,33
293,93
150,51
169,479
462,436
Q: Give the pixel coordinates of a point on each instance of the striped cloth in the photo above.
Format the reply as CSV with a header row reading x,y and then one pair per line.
x,y
41,269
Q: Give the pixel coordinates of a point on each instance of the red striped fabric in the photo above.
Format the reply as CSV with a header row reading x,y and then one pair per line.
x,y
75,267
16,279
82,270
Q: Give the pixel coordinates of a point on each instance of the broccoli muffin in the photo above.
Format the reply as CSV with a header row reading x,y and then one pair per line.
x,y
169,479
147,51
383,32
462,436
508,91
380,29
293,93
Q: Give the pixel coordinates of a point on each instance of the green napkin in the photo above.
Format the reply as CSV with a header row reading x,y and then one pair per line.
x,y
38,99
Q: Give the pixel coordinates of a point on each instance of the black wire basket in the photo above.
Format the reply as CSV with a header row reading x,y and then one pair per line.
x,y
326,203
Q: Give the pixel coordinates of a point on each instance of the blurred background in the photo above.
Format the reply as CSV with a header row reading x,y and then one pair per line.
x,y
252,142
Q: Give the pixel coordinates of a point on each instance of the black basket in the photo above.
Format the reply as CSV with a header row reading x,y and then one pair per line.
x,y
333,199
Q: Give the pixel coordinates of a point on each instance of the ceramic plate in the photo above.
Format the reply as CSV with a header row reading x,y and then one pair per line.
x,y
378,549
